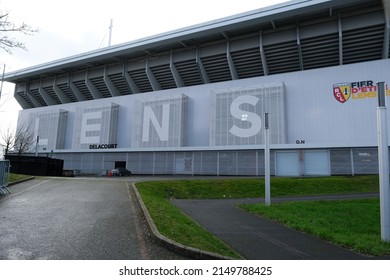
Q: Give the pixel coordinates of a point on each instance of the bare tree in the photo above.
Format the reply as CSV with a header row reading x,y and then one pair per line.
x,y
7,139
8,43
24,139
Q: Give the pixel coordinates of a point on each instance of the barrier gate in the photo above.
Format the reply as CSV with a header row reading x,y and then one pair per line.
x,y
4,176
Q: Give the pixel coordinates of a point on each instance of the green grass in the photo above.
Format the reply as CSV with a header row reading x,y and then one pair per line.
x,y
174,224
354,224
254,187
16,177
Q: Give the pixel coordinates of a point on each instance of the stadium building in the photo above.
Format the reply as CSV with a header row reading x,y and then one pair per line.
x,y
192,101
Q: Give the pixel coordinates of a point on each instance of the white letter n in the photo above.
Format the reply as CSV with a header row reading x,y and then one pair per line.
x,y
150,117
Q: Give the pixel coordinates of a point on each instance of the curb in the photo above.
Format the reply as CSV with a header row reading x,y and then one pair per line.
x,y
171,244
21,181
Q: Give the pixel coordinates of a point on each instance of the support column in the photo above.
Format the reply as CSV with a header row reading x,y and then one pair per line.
x,y
262,55
267,162
340,42
383,159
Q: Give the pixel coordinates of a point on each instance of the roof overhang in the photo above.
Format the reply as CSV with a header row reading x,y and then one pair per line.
x,y
207,29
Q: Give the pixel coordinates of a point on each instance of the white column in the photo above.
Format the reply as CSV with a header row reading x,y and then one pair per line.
x,y
383,158
267,171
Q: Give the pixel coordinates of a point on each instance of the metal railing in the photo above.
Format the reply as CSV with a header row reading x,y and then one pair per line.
x,y
4,176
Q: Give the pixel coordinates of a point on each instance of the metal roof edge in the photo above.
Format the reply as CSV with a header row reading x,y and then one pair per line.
x,y
266,13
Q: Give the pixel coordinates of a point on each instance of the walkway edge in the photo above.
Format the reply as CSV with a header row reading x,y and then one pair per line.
x,y
21,181
171,244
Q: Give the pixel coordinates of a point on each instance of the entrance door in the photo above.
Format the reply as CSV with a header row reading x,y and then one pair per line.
x,y
120,164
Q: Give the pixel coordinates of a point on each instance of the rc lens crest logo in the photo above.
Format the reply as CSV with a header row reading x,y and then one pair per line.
x,y
342,91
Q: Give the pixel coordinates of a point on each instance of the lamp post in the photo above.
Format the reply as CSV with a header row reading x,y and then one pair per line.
x,y
383,159
267,171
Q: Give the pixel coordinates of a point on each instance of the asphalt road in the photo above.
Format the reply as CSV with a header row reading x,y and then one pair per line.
x,y
75,219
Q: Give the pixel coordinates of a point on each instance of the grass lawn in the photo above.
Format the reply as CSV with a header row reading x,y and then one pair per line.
x,y
354,224
16,177
254,187
174,224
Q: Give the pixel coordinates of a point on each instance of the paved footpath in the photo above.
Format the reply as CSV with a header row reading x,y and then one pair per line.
x,y
258,238
99,218
75,218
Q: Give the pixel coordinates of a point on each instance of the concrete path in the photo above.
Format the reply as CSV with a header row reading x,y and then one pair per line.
x,y
99,218
75,218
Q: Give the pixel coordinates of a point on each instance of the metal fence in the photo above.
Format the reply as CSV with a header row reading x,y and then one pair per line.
x,y
4,176
284,162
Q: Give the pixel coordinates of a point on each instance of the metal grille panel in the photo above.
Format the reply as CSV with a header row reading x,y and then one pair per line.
x,y
217,68
141,80
365,161
51,129
340,162
4,176
189,72
100,85
67,91
37,96
161,122
95,125
245,117
321,51
52,94
248,63
363,44
120,83
82,87
282,58
164,76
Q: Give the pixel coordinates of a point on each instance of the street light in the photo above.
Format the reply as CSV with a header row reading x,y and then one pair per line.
x,y
383,158
267,171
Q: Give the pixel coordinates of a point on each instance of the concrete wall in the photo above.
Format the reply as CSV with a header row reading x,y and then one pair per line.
x,y
305,112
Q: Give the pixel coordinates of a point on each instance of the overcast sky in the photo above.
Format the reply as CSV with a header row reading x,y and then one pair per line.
x,y
74,26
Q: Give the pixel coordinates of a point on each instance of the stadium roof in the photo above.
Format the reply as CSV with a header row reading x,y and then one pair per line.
x,y
293,36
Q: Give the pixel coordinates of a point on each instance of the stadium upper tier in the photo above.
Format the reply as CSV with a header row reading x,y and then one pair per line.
x,y
293,36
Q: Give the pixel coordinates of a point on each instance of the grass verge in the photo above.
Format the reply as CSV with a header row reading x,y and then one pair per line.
x,y
254,187
354,224
16,177
174,224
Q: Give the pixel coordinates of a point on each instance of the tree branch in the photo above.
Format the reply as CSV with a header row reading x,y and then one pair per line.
x,y
6,26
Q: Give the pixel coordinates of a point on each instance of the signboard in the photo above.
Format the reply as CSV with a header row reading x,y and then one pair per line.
x,y
359,90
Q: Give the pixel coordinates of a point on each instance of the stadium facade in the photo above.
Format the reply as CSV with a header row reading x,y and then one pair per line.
x,y
192,101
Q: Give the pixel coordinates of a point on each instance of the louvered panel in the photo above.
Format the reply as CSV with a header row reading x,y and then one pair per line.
x,y
26,99
101,86
363,44
217,68
67,91
82,87
141,80
321,51
120,83
163,75
189,72
248,63
282,57
35,93
50,91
